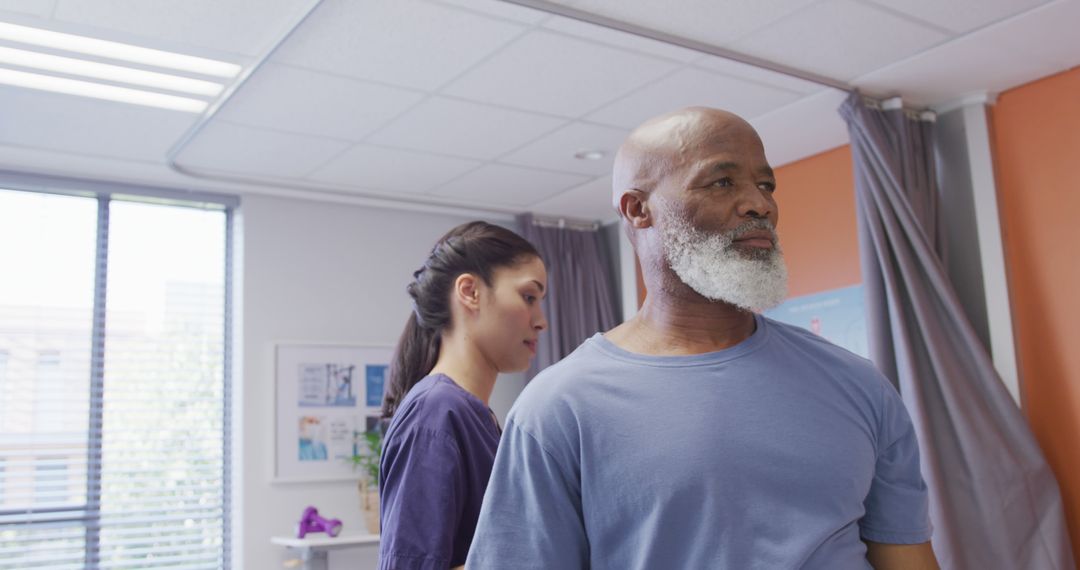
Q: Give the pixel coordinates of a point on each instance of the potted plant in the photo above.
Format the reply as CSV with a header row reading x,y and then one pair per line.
x,y
367,449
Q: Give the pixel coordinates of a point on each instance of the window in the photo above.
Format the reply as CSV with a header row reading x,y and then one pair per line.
x,y
50,480
3,408
4,388
3,381
114,344
49,393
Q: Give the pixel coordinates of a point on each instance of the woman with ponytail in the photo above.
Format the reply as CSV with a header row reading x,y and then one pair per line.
x,y
476,313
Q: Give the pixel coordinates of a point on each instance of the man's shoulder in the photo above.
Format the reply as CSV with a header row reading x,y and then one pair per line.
x,y
583,358
813,345
559,389
835,365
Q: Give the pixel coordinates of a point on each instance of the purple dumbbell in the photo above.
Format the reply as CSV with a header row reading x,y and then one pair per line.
x,y
312,522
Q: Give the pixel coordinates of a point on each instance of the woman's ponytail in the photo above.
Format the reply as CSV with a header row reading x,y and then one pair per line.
x,y
416,353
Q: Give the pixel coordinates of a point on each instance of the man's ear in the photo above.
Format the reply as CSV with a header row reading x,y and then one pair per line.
x,y
634,208
467,290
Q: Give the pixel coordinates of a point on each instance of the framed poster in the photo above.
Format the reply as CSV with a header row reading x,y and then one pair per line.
x,y
327,396
838,315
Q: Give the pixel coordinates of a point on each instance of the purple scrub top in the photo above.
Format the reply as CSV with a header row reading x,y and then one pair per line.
x,y
437,458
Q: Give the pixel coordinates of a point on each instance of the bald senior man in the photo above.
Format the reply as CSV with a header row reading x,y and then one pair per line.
x,y
700,434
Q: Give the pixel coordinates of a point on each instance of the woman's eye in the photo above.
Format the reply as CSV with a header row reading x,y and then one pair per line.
x,y
530,299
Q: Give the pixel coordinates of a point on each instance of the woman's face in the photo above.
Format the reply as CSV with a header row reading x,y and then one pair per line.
x,y
510,320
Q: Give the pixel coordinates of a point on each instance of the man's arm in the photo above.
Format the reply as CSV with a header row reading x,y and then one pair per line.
x,y
901,556
531,518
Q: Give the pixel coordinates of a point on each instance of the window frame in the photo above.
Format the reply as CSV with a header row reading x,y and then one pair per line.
x,y
89,513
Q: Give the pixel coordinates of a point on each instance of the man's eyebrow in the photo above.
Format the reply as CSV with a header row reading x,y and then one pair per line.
x,y
729,165
732,165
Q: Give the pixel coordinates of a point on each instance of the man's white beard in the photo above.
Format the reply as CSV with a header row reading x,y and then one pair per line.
x,y
710,264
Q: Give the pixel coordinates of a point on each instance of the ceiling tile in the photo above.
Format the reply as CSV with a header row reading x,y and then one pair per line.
x,y
840,39
589,201
499,9
556,150
960,15
620,39
378,168
553,73
707,21
254,152
88,126
949,72
308,102
1046,35
508,185
247,27
804,128
758,75
39,8
693,87
460,128
401,42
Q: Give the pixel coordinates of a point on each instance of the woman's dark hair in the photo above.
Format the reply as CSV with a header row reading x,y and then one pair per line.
x,y
477,248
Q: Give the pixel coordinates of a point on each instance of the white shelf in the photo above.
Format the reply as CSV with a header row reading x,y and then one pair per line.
x,y
324,542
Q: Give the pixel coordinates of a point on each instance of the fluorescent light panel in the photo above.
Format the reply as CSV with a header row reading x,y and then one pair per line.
x,y
100,91
71,66
117,50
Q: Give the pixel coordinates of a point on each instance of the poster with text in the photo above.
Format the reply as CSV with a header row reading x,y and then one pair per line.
x,y
326,397
838,315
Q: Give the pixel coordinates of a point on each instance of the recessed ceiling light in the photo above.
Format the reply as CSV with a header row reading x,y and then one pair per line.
x,y
117,50
118,73
100,91
589,154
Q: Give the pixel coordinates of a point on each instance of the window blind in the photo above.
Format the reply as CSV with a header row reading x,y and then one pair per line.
x,y
114,386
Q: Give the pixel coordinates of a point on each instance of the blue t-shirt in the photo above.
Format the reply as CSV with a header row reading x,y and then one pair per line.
x,y
436,460
780,452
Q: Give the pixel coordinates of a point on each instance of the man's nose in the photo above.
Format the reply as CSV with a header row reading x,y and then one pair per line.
x,y
755,202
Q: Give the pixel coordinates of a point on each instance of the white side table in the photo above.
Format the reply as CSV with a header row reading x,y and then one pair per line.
x,y
312,551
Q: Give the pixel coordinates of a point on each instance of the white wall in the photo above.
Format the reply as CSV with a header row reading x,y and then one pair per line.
x,y
318,272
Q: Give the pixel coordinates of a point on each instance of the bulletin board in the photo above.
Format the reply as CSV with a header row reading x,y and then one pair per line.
x,y
327,396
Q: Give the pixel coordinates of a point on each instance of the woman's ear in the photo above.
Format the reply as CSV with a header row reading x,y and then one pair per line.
x,y
467,291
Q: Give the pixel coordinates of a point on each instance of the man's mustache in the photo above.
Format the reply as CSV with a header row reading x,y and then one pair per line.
x,y
757,224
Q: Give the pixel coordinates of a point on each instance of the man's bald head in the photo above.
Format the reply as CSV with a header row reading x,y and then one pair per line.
x,y
661,145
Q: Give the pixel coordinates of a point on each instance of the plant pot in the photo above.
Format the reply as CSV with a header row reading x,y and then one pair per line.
x,y
369,506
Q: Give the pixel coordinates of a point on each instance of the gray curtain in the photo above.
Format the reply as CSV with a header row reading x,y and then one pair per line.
x,y
581,298
994,501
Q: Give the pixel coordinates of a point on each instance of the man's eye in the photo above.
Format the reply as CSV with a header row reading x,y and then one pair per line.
x,y
724,182
768,187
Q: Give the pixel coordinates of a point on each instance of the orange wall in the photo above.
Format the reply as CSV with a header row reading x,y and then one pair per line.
x,y
1036,140
816,197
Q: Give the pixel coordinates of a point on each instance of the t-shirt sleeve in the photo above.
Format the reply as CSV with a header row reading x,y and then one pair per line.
x,y
897,506
531,516
421,502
